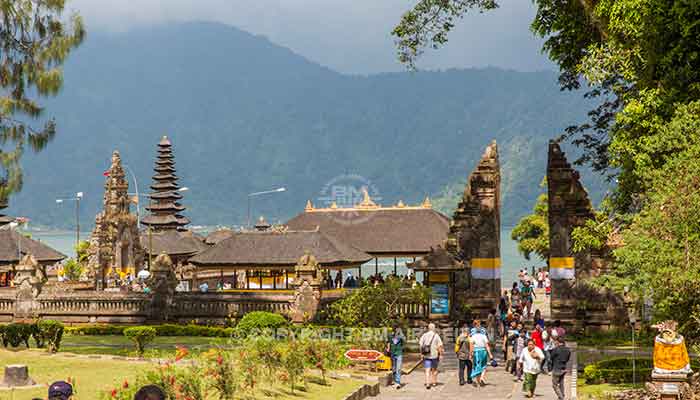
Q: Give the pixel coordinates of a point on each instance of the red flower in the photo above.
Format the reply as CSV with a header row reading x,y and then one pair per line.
x,y
125,384
114,392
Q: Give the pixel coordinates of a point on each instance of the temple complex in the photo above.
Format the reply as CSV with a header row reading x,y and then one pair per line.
x,y
115,248
164,206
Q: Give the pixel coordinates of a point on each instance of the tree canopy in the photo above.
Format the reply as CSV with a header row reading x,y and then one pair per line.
x,y
34,40
640,59
532,231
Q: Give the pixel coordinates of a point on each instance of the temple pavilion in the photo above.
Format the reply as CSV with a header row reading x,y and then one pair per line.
x,y
14,246
386,233
265,258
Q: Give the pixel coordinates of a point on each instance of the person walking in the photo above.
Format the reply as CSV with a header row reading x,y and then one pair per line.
x,y
527,295
481,354
509,346
431,349
394,347
559,360
463,350
531,358
520,345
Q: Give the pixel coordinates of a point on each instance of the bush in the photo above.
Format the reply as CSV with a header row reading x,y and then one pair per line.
x,y
141,336
51,333
17,333
258,321
161,330
619,370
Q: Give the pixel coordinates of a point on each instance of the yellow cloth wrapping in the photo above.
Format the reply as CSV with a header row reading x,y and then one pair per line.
x,y
670,357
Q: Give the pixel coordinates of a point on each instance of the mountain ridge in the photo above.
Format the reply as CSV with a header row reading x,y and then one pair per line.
x,y
247,115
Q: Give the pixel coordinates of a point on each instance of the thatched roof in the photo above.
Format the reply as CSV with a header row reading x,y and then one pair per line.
x,y
437,260
173,242
218,235
279,248
398,230
11,242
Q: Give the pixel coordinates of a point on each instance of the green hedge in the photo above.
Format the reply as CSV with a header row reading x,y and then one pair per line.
x,y
258,321
43,332
161,330
619,370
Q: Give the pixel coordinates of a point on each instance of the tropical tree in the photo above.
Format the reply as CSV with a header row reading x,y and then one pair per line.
x,y
35,40
641,60
532,231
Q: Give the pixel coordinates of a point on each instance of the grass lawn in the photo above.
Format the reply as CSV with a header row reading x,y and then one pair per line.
x,y
94,377
600,392
162,346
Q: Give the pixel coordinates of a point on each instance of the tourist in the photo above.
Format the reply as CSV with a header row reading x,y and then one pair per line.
x,y
60,390
503,309
481,354
339,280
531,360
150,392
549,336
561,332
509,346
558,364
547,285
520,344
491,326
538,318
536,335
540,278
515,297
394,347
463,350
527,294
431,349
204,287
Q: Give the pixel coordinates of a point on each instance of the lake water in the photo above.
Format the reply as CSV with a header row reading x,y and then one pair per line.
x,y
511,260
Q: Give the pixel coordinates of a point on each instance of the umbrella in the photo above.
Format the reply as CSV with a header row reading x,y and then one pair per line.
x,y
143,274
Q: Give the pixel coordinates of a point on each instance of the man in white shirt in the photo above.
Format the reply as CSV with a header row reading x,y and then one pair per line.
x,y
431,348
531,359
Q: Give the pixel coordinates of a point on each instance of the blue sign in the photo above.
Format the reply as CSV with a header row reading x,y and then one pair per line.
x,y
440,299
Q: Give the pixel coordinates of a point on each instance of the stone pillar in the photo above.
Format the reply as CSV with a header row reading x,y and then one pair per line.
x,y
476,229
307,290
29,286
569,207
162,283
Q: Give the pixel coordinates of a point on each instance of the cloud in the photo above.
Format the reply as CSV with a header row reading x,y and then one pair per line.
x,y
347,35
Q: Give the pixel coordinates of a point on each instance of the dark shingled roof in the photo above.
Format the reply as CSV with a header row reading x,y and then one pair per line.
x,y
9,240
437,260
173,242
272,248
218,235
409,230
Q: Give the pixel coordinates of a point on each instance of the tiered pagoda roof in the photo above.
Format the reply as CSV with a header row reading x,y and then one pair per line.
x,y
164,207
4,219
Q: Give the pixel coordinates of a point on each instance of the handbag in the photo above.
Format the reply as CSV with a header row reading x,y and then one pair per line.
x,y
494,363
425,349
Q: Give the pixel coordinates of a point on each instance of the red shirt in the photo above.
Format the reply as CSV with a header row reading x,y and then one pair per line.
x,y
537,337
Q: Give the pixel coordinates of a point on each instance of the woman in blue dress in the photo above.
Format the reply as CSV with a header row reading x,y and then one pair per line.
x,y
481,354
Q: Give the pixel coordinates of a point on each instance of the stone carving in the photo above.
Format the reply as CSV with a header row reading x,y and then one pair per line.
x,y
115,247
29,284
670,352
162,283
307,295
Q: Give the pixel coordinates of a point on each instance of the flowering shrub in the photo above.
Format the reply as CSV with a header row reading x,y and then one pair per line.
x,y
223,374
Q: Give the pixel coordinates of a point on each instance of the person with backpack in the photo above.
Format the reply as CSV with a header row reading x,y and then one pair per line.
x,y
558,364
463,350
431,349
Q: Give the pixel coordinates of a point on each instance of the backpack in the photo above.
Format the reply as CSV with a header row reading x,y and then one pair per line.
x,y
425,349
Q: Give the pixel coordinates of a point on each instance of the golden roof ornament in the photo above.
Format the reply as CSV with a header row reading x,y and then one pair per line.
x,y
400,204
427,203
366,200
334,205
309,206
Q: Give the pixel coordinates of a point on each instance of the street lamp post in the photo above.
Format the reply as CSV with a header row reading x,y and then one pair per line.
x,y
282,189
76,199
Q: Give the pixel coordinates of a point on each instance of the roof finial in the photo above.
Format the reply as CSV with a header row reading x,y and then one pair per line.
x,y
427,203
366,200
309,206
400,204
334,205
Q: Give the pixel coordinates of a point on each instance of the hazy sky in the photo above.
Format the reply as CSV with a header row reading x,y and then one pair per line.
x,y
347,35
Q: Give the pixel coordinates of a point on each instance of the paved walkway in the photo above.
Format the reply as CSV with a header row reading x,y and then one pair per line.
x,y
500,385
